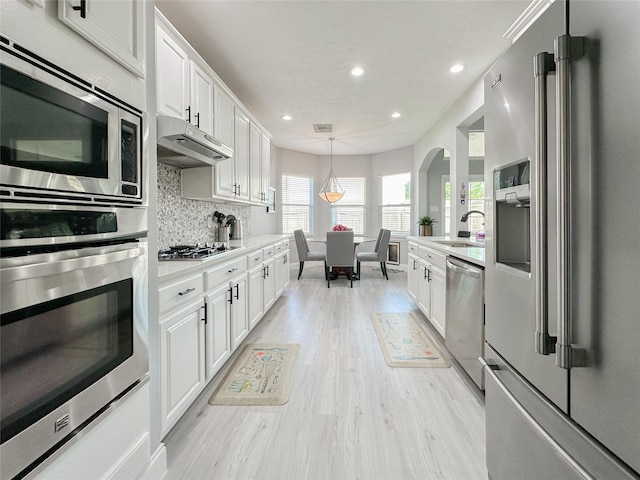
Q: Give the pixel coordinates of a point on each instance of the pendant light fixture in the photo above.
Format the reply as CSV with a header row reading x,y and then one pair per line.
x,y
331,191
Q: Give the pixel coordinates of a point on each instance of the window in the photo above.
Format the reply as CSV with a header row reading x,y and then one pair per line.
x,y
475,201
297,203
395,203
349,210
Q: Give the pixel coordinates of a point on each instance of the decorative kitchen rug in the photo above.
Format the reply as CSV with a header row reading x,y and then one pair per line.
x,y
404,343
261,375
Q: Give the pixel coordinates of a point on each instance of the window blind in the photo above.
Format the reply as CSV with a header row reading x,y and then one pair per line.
x,y
297,203
349,210
395,203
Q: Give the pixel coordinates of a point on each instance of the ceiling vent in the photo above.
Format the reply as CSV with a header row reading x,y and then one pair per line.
x,y
323,128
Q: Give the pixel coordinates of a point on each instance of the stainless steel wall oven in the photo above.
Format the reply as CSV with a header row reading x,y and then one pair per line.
x,y
64,138
72,319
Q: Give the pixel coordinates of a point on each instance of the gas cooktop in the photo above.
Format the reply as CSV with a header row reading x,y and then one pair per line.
x,y
191,252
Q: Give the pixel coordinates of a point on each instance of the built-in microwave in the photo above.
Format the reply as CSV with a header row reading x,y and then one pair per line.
x,y
63,138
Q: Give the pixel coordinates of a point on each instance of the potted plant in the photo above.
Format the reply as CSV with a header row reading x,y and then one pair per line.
x,y
426,225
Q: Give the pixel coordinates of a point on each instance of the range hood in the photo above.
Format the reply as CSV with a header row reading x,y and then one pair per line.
x,y
184,145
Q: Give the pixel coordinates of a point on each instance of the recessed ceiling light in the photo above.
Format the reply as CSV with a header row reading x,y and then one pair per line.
x,y
357,71
456,68
287,117
396,114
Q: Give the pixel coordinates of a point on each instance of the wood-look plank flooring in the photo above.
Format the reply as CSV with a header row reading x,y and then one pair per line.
x,y
350,416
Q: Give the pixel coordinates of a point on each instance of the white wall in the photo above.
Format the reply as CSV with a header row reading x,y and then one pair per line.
x,y
368,166
446,133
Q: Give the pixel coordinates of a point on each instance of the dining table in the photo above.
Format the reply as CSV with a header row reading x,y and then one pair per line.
x,y
357,240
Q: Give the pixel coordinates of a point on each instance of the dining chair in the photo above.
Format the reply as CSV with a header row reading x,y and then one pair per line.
x,y
304,254
378,255
340,253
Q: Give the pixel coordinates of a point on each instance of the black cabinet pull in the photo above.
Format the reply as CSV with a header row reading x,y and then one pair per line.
x,y
82,8
205,313
198,119
238,291
188,114
186,292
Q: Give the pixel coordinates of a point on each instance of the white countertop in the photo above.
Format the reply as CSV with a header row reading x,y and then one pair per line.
x,y
170,268
474,254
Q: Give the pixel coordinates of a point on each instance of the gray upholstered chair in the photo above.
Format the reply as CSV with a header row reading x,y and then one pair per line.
x,y
304,254
340,253
378,255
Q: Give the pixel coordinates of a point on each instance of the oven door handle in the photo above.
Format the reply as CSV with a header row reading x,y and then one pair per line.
x,y
41,265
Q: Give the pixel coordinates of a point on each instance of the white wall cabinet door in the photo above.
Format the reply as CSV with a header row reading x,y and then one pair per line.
x,y
218,329
255,142
269,284
239,311
182,360
241,154
265,167
201,107
256,295
438,299
224,131
412,276
172,73
116,28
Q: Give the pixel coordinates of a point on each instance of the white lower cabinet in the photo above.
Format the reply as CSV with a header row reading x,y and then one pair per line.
x,y
429,283
269,283
256,294
182,360
218,341
239,310
282,272
412,276
205,316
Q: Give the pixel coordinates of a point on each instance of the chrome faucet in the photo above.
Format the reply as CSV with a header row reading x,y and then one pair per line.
x,y
466,215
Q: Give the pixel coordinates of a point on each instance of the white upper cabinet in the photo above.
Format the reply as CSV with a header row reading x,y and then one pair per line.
x,y
224,116
201,107
188,88
116,28
224,131
255,139
185,90
241,154
172,65
265,166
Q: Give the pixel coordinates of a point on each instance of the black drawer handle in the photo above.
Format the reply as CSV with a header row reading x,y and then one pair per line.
x,y
186,292
82,8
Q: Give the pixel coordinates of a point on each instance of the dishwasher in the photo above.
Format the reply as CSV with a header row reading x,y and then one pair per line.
x,y
464,336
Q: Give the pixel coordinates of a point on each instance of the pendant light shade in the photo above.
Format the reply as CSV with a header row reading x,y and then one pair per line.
x,y
331,191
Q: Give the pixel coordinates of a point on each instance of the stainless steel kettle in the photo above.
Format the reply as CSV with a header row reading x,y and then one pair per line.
x,y
236,232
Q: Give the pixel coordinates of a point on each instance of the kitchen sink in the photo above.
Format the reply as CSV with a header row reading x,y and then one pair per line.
x,y
459,244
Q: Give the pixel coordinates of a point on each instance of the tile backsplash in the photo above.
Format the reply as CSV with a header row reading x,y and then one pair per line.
x,y
187,222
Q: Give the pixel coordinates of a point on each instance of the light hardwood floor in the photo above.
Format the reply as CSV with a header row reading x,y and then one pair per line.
x,y
350,416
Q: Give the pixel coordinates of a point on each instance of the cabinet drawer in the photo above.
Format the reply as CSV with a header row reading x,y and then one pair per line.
x,y
180,292
223,273
413,248
268,251
282,246
254,258
434,258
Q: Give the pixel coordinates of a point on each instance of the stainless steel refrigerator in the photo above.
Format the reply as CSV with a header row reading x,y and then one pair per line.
x,y
562,168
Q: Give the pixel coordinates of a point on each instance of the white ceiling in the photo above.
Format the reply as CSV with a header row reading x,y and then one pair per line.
x,y
294,57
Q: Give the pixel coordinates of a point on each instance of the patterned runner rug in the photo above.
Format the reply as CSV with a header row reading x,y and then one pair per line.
x,y
260,375
404,343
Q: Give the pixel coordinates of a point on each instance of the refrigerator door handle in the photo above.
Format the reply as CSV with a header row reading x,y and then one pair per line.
x,y
566,49
543,65
489,370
